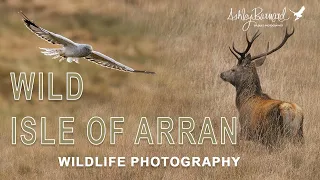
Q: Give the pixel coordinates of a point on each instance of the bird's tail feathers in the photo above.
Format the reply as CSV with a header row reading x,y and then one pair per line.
x,y
51,51
55,52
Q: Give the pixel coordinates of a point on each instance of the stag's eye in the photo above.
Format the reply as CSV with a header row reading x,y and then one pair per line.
x,y
233,70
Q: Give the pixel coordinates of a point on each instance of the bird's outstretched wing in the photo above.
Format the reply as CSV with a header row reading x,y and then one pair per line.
x,y
105,61
301,10
45,34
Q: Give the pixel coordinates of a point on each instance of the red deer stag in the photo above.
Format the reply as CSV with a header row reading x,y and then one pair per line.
x,y
261,118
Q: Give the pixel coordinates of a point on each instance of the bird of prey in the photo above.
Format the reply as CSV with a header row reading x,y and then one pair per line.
x,y
298,14
72,51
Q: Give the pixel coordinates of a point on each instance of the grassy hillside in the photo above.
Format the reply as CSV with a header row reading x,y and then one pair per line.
x,y
186,43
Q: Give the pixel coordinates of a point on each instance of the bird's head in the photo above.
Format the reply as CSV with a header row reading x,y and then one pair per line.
x,y
88,47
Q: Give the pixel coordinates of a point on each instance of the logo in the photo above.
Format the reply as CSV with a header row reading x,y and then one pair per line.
x,y
257,17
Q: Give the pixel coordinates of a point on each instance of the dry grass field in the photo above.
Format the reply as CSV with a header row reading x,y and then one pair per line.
x,y
186,43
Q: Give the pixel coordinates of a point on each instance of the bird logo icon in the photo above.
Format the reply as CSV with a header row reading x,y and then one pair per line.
x,y
298,14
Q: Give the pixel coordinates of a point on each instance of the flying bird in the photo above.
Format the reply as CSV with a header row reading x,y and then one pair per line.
x,y
72,51
298,14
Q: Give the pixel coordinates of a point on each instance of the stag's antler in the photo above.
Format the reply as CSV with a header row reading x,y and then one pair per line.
x,y
243,54
286,37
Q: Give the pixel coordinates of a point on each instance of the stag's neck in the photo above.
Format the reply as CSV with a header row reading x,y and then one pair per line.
x,y
249,89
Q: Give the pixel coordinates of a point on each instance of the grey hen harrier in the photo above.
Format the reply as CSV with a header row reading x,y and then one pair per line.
x,y
73,51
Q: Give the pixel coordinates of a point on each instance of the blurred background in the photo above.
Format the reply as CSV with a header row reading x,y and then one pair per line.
x,y
186,43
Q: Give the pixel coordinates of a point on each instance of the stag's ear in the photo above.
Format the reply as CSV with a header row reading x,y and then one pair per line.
x,y
259,62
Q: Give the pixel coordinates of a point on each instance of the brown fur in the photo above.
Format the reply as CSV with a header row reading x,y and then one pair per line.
x,y
262,118
266,120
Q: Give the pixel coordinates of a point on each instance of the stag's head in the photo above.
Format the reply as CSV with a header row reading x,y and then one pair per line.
x,y
246,67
